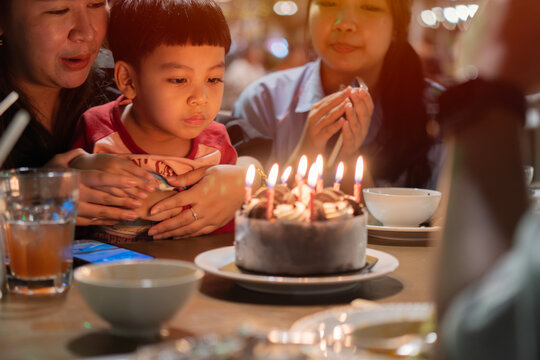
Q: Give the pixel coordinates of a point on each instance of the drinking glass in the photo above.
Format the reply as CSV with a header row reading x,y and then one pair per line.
x,y
38,213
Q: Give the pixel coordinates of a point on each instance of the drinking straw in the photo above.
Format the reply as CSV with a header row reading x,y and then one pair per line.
x,y
8,101
335,151
12,134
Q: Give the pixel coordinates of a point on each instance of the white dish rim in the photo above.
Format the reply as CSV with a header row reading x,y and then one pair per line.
x,y
386,264
420,229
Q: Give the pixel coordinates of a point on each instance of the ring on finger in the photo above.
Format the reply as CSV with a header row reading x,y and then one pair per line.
x,y
194,214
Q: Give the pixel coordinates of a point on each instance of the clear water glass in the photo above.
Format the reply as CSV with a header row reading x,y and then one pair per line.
x,y
39,212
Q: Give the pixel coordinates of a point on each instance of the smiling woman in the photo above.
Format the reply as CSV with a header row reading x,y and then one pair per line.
x,y
47,53
306,109
49,48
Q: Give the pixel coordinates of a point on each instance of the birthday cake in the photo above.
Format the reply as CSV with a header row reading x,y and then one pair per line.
x,y
324,234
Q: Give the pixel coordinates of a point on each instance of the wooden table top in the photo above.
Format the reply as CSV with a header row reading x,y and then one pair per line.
x,y
63,327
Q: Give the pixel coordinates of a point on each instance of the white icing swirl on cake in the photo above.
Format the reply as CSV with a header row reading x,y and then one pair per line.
x,y
291,212
337,210
302,193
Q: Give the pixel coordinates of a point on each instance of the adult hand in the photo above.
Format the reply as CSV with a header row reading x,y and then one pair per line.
x,y
216,194
501,43
109,186
104,199
358,115
324,120
349,109
144,182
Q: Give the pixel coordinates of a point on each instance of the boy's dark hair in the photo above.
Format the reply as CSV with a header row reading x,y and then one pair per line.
x,y
138,27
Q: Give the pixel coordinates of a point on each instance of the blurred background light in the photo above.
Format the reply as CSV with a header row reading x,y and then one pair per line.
x,y
438,11
278,47
285,8
451,15
473,8
462,12
428,17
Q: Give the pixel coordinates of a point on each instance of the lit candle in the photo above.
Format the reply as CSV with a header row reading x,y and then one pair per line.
x,y
271,191
320,169
250,176
285,176
339,175
301,172
312,183
358,175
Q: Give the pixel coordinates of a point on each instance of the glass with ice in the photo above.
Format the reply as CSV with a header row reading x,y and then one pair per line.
x,y
39,221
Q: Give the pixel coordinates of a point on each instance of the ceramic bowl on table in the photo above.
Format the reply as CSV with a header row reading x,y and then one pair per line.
x,y
404,207
138,298
529,174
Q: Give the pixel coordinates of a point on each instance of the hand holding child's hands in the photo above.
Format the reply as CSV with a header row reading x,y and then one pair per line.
x,y
103,198
110,189
144,181
216,194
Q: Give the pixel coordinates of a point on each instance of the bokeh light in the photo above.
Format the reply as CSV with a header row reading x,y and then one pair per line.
x,y
449,17
278,47
285,8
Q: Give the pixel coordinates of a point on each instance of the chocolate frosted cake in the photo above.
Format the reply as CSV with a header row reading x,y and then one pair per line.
x,y
294,242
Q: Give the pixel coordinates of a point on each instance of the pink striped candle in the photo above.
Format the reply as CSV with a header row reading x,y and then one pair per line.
x,y
339,175
271,191
358,175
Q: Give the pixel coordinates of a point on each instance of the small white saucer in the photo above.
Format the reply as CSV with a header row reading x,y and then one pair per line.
x,y
416,229
218,261
421,233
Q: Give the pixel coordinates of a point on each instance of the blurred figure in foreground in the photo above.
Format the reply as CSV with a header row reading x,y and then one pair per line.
x,y
489,283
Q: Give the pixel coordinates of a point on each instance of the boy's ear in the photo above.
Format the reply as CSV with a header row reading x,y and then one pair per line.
x,y
124,75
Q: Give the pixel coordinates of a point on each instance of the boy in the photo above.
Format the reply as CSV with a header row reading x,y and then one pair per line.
x,y
169,66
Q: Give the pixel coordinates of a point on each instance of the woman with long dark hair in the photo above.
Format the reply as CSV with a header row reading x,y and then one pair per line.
x,y
303,110
47,53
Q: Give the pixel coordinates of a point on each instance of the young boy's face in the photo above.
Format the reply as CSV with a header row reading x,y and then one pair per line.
x,y
179,89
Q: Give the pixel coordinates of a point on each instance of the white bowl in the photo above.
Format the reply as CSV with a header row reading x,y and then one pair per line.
x,y
394,206
529,174
137,298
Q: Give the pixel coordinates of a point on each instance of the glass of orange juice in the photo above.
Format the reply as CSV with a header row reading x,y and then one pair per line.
x,y
39,211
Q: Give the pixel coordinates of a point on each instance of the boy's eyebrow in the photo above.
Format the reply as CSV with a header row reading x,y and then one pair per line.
x,y
175,65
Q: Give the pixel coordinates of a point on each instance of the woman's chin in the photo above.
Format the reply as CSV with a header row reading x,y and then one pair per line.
x,y
73,80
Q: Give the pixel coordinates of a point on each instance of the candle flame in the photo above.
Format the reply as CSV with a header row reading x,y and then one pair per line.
x,y
320,164
272,177
286,174
250,175
339,172
313,176
302,166
359,172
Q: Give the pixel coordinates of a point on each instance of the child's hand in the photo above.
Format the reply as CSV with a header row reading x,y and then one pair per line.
x,y
143,212
215,196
